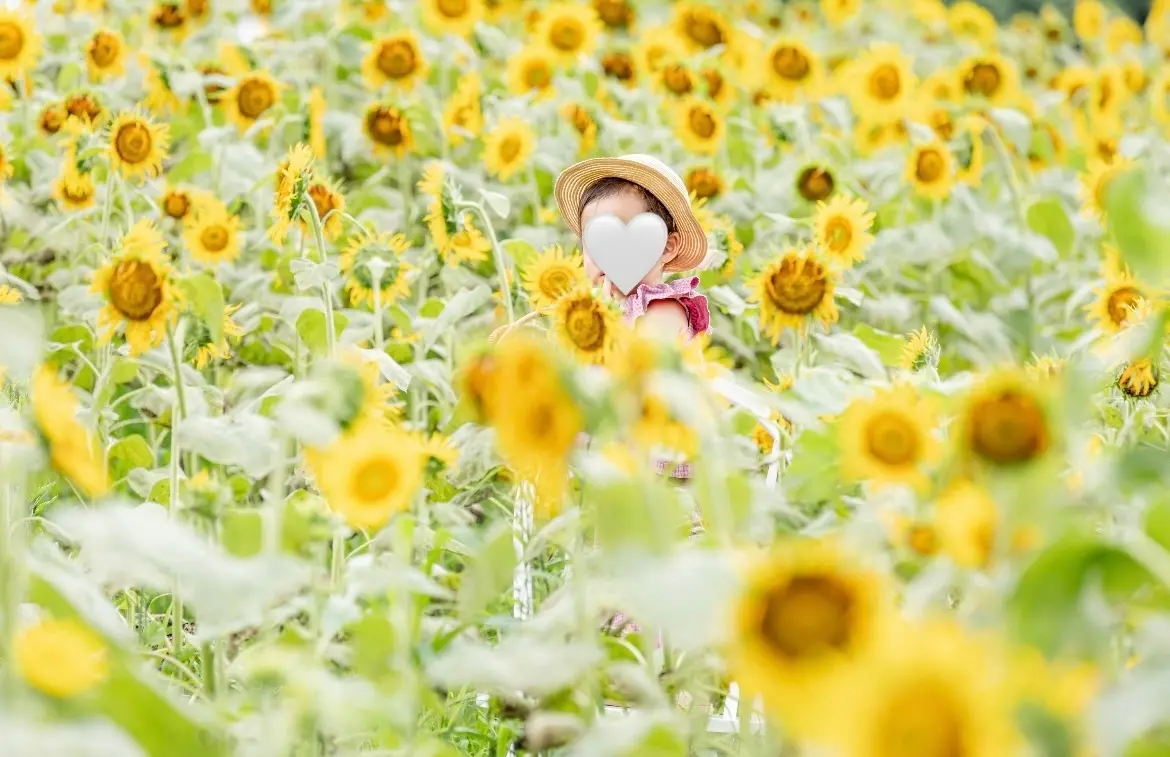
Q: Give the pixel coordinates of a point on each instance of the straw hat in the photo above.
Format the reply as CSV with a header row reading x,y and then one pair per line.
x,y
651,174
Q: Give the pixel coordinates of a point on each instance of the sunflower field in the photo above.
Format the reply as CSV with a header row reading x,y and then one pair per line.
x,y
317,440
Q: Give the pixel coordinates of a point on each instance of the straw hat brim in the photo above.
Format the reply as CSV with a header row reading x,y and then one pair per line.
x,y
575,179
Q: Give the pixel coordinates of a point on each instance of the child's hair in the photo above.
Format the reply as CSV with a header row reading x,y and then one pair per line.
x,y
612,185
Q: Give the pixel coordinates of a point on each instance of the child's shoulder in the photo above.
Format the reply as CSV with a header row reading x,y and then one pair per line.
x,y
678,299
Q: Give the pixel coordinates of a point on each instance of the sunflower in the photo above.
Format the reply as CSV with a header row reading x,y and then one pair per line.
x,y
251,97
568,31
456,17
1117,300
1047,147
375,263
1139,378
396,58
968,20
465,243
1094,192
967,519
1005,422
84,108
989,76
160,99
170,19
293,177
60,657
388,129
52,118
919,350
673,78
585,325
969,151
805,614
701,26
655,47
792,69
1107,93
930,170
837,12
198,10
1122,32
329,204
508,146
882,82
73,451
138,145
213,91
704,183
657,429
138,287
20,45
105,55
619,65
551,275
1088,19
369,474
841,228
888,438
206,349
463,114
699,127
530,69
10,295
212,236
177,202
932,693
315,123
582,122
793,290
815,182
617,15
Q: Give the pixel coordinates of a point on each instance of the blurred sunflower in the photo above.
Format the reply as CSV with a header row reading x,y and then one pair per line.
x,y
792,69
508,146
1088,19
455,17
105,55
881,82
969,151
208,350
585,325
369,475
160,99
888,439
395,58
1139,378
329,204
837,12
388,129
568,30
170,19
466,244
551,275
20,45
930,170
177,202
251,97
1121,33
293,177
617,15
530,69
1116,301
657,429
704,183
1005,421
73,189
815,182
792,291
138,145
315,123
701,26
841,229
674,79
919,350
375,263
212,235
583,123
73,451
85,108
989,76
463,115
699,127
60,657
967,519
654,48
1094,191
619,65
971,21
138,287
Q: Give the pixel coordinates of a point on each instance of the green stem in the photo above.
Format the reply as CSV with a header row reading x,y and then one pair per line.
x,y
210,678
497,254
337,562
379,337
107,206
326,295
178,413
407,190
1017,194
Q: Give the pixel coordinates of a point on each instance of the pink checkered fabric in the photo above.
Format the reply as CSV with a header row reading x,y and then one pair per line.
x,y
685,291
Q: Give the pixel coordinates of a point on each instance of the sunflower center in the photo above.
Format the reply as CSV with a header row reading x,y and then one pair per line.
x,y
703,183
1008,428
704,30
52,119
197,8
580,119
585,326
214,238
176,204
815,183
714,81
702,122
885,82
930,166
537,74
103,49
510,148
76,193
796,289
1138,379
169,16
618,65
211,90
808,616
396,59
135,290
11,40
554,282
566,35
1120,302
256,96
677,79
84,107
375,480
790,63
461,239
921,721
615,14
133,142
838,233
983,79
891,438
922,539
385,127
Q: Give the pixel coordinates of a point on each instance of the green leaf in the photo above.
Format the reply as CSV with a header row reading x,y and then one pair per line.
x,y
812,476
488,574
888,346
521,252
205,298
499,204
373,646
1157,523
311,328
130,453
1048,217
242,532
123,371
431,308
1144,242
194,163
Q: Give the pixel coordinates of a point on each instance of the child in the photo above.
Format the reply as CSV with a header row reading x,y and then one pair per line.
x,y
626,187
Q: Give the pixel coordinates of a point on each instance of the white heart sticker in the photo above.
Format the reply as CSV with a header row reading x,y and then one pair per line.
x,y
625,253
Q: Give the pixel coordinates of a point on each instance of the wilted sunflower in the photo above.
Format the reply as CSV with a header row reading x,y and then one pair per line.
x,y
369,474
212,235
881,82
582,122
701,26
315,123
989,76
585,325
530,69
388,129
1094,191
105,55
137,284
138,145
20,45
968,20
704,183
699,127
330,204
919,350
251,97
841,229
463,114
792,68
396,58
792,291
815,182
888,439
508,146
551,275
930,170
805,615
60,658
456,17
1005,421
1139,378
208,350
568,30
375,263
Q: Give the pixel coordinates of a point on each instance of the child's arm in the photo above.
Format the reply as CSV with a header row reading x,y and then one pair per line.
x,y
665,316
